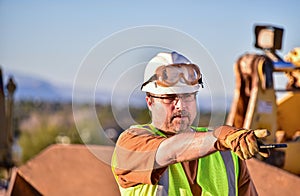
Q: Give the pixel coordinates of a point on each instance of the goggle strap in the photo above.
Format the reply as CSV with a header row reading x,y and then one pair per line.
x,y
201,82
153,78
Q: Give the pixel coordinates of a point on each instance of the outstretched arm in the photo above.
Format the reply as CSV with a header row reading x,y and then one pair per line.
x,y
184,147
192,145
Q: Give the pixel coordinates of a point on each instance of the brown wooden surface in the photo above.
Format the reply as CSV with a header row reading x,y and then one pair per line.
x,y
70,170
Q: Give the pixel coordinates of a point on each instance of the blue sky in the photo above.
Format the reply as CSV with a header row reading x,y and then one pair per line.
x,y
51,39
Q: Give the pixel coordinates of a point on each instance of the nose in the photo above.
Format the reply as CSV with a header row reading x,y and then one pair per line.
x,y
178,103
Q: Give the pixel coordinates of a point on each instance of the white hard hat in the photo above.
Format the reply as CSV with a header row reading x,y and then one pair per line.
x,y
165,59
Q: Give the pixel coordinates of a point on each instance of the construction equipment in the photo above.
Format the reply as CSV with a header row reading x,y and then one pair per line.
x,y
256,103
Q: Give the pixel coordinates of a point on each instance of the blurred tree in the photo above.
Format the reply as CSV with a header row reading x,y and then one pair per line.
x,y
40,123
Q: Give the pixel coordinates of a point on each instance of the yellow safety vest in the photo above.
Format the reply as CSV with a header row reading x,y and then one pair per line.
x,y
217,174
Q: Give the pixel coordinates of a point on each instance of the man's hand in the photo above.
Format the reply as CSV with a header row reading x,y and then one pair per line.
x,y
243,142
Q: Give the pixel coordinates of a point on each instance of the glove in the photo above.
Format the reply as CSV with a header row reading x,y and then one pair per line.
x,y
243,142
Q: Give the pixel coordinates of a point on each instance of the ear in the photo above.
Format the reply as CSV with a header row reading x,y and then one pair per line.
x,y
149,102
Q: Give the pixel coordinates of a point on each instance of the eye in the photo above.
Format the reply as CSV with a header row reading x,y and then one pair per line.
x,y
171,98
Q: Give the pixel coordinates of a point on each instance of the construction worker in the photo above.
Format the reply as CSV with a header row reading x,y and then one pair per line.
x,y
172,157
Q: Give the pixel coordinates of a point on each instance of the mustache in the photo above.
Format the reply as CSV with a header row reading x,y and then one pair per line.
x,y
182,113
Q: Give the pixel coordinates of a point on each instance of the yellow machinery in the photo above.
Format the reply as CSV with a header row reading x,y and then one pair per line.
x,y
255,103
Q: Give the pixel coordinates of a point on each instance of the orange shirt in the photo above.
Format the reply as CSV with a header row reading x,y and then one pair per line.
x,y
135,152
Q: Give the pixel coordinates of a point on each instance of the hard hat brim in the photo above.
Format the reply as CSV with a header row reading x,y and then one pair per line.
x,y
151,87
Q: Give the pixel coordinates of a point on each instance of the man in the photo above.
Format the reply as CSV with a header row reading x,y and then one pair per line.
x,y
172,157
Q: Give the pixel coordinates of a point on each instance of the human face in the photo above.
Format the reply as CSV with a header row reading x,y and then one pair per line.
x,y
172,113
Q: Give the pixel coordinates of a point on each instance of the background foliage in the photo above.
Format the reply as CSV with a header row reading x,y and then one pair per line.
x,y
40,124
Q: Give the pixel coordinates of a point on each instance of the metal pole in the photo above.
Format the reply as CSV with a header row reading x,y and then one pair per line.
x,y
3,132
11,87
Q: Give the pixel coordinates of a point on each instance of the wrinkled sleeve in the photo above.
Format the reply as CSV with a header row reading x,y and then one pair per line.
x,y
245,183
135,158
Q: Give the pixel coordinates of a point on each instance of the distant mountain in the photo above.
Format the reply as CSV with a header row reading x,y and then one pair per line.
x,y
31,87
34,88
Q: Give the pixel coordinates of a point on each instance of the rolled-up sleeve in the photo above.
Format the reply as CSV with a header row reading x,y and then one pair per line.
x,y
135,153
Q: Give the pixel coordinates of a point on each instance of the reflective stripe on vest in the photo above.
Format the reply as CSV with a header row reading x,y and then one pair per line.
x,y
230,170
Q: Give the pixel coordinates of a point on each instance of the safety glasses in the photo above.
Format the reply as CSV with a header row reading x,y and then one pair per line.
x,y
169,75
188,97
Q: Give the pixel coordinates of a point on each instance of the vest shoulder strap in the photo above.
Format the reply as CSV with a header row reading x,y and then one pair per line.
x,y
230,170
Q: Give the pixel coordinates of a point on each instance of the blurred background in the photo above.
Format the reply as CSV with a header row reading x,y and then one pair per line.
x,y
44,46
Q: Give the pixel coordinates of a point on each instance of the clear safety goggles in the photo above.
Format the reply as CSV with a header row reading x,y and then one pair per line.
x,y
169,75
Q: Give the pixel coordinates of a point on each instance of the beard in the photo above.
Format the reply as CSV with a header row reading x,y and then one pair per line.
x,y
180,121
